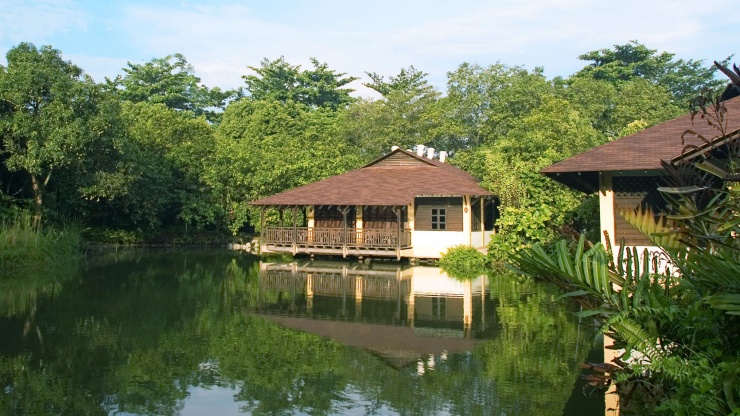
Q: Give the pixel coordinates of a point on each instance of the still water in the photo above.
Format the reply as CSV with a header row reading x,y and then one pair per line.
x,y
221,333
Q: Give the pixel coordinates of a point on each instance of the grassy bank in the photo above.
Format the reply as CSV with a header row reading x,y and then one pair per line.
x,y
25,249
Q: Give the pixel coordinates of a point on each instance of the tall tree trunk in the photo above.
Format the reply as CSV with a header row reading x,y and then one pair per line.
x,y
38,198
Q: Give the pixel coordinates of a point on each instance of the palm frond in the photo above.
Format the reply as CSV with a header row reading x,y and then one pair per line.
x,y
662,232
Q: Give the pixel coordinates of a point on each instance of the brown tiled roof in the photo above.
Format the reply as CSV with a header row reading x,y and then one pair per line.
x,y
378,184
641,151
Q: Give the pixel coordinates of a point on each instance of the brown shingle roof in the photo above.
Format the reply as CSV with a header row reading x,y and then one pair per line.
x,y
377,184
641,151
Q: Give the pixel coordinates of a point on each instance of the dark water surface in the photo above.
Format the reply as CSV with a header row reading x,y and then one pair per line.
x,y
220,333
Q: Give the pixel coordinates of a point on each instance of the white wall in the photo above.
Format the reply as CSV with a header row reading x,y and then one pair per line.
x,y
430,244
477,239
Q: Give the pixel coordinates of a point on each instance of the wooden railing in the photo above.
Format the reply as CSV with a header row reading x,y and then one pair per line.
x,y
385,238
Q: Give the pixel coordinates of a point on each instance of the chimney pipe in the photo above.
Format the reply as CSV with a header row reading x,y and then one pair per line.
x,y
420,150
442,156
430,153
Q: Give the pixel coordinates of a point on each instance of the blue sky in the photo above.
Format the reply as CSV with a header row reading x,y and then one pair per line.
x,y
222,38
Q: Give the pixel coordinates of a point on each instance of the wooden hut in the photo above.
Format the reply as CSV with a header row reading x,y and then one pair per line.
x,y
627,172
400,205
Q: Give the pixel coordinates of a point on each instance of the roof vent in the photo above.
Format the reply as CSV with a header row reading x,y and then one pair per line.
x,y
420,150
430,153
442,156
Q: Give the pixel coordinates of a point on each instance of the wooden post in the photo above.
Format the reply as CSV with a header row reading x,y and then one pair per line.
x,y
310,222
263,241
483,221
295,230
281,216
359,224
398,210
344,211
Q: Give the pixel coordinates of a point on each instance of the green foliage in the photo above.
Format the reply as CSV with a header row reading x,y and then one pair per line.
x,y
485,102
678,312
533,209
51,116
320,87
265,147
463,262
409,113
170,81
537,347
683,79
155,175
26,249
144,152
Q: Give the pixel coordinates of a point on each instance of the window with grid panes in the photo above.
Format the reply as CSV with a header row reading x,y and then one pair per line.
x,y
439,219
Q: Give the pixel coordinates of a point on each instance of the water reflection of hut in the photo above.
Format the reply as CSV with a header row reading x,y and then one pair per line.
x,y
399,312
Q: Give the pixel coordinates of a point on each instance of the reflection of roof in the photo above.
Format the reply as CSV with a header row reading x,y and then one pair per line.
x,y
641,151
398,345
394,179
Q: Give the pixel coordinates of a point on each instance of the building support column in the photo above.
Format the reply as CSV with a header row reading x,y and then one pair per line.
x,y
263,241
399,226
608,236
467,219
359,216
483,221
310,222
344,211
411,215
295,230
606,208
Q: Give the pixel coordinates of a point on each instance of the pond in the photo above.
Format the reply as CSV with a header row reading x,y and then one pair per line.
x,y
224,333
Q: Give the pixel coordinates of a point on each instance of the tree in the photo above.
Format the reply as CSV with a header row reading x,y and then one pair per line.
x,y
171,81
320,87
51,115
409,80
683,79
485,102
155,176
531,208
408,114
265,147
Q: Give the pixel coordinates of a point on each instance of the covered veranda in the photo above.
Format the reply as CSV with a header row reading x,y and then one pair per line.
x,y
347,230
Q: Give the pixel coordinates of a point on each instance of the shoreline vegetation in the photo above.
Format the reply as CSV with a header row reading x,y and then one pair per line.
x,y
27,249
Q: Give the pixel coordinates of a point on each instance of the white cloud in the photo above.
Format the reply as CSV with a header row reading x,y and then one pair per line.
x,y
222,40
37,20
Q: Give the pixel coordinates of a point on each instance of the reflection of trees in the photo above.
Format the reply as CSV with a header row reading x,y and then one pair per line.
x,y
535,360
137,333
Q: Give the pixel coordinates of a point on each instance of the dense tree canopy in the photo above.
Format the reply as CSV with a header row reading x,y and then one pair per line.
x,y
268,146
170,81
320,87
408,114
52,115
683,79
154,149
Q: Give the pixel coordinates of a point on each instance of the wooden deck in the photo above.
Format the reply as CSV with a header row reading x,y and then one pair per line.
x,y
357,242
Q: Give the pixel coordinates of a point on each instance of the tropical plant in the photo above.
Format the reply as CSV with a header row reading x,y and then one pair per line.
x,y
674,313
463,262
